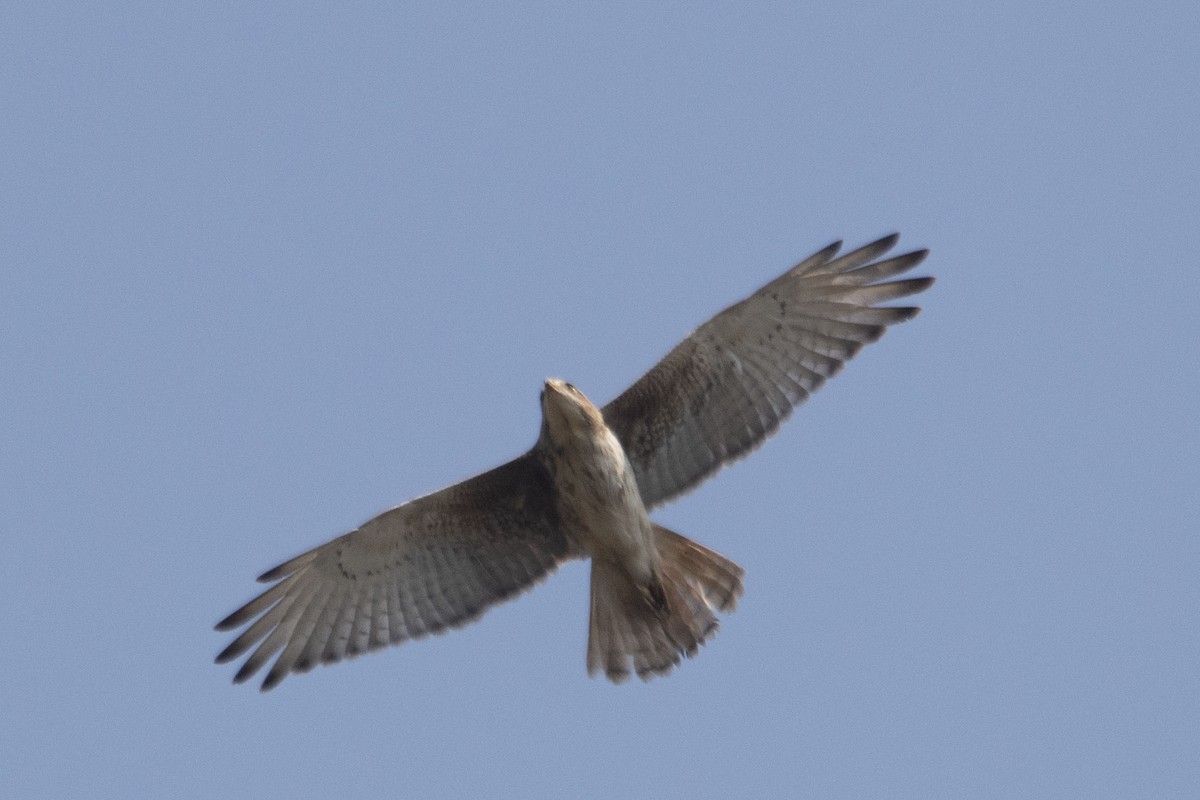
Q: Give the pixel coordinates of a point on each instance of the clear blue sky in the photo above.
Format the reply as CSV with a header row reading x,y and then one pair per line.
x,y
269,271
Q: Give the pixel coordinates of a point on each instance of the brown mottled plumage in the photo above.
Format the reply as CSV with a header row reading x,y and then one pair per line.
x,y
584,490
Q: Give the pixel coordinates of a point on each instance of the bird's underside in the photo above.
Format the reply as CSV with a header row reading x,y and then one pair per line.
x,y
584,490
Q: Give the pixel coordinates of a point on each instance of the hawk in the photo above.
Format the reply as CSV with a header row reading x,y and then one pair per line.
x,y
584,491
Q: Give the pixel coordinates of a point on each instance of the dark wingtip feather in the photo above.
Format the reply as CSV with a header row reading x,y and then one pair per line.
x,y
246,672
906,261
920,284
886,243
288,567
234,620
816,260
828,251
273,679
273,574
873,333
256,606
232,651
862,255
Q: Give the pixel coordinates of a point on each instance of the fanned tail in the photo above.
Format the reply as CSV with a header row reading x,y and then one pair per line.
x,y
653,627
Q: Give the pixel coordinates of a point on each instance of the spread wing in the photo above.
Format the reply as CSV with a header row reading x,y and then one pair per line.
x,y
727,387
437,562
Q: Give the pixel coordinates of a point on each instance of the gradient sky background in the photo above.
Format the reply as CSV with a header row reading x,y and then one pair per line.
x,y
271,270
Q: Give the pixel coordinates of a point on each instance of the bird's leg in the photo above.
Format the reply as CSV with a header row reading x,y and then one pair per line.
x,y
656,598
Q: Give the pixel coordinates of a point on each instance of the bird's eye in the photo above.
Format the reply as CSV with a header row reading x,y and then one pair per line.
x,y
571,386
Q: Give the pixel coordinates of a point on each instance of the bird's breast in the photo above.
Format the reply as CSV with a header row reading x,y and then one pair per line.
x,y
598,499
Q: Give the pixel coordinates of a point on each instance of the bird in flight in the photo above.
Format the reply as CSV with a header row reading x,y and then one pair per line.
x,y
584,491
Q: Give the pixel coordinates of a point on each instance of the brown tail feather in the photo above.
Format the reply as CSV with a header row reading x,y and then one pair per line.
x,y
627,627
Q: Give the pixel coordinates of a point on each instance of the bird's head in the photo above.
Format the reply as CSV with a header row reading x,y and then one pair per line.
x,y
567,411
